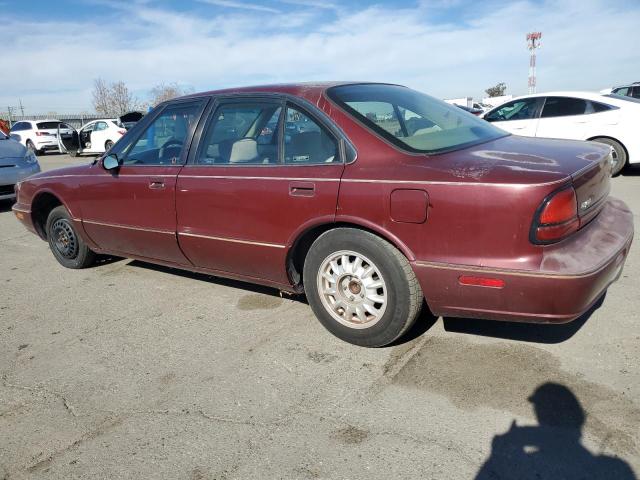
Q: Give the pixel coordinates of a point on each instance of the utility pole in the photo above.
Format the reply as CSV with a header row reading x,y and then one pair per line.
x,y
9,111
21,108
534,40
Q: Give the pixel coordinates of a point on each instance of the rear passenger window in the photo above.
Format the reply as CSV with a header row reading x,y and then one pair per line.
x,y
563,106
306,141
241,134
600,107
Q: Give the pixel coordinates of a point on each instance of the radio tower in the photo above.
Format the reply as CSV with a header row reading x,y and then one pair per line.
x,y
533,43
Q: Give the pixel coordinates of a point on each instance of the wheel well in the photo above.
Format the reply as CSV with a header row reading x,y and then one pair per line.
x,y
298,252
615,140
40,209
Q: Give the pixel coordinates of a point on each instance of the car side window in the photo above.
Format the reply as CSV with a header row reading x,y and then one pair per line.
x,y
100,126
635,92
163,141
523,109
19,126
599,107
306,141
624,91
563,107
243,133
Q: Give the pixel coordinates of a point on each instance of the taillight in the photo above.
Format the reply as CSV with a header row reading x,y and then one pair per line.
x,y
41,134
122,132
556,218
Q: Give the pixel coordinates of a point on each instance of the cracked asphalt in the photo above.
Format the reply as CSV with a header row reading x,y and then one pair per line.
x,y
127,370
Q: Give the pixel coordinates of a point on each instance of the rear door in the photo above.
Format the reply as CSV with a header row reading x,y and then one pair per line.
x,y
98,137
565,117
519,117
132,211
252,185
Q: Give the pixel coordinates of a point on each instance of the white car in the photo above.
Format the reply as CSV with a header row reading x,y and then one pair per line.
x,y
40,135
98,136
609,119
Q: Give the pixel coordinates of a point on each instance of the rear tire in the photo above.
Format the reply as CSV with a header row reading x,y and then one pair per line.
x,y
360,287
619,154
65,243
32,147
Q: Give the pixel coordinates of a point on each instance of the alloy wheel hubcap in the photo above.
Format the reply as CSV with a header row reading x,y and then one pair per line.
x,y
64,238
352,289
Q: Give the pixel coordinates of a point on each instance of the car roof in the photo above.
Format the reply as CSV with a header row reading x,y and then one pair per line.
x,y
308,90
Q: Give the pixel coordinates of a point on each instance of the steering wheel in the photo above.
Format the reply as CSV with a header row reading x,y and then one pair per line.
x,y
167,144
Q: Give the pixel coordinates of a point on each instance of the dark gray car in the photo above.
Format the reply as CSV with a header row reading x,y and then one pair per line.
x,y
16,164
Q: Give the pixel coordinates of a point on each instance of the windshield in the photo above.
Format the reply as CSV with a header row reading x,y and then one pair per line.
x,y
412,120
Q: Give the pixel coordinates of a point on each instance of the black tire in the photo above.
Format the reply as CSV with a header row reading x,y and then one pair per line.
x,y
619,154
73,153
107,146
32,147
65,243
402,293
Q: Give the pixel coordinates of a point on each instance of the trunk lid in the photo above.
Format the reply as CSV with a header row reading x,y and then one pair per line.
x,y
592,185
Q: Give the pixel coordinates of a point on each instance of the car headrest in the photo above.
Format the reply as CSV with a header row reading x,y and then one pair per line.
x,y
243,151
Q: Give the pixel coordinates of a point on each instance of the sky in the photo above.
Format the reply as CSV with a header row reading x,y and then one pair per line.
x,y
53,50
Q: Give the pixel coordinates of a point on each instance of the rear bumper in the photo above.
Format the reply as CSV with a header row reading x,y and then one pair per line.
x,y
572,276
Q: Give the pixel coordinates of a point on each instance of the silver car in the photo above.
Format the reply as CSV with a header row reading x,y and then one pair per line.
x,y
16,164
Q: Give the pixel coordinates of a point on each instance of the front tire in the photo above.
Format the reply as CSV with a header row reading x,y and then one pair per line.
x,y
65,243
360,287
107,146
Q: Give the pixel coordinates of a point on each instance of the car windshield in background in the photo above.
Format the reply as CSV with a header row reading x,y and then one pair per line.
x,y
48,125
412,120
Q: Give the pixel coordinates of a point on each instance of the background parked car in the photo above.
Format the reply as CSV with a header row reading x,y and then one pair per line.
x,y
95,137
40,135
473,110
609,119
631,90
16,163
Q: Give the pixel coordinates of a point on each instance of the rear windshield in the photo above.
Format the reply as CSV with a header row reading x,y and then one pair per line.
x,y
412,120
48,125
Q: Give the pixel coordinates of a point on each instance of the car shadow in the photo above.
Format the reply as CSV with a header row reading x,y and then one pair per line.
x,y
524,332
552,449
631,171
5,205
203,277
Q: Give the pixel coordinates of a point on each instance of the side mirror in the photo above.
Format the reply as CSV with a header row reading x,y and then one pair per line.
x,y
111,162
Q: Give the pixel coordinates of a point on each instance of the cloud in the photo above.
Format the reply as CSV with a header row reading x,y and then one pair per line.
x,y
447,50
240,5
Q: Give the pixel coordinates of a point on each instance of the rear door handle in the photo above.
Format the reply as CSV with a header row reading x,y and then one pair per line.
x,y
302,189
156,183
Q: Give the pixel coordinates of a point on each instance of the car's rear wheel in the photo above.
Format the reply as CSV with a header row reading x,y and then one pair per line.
x,y
107,146
619,154
361,288
65,243
32,147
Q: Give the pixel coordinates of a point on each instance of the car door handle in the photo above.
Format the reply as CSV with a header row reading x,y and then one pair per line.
x,y
156,183
302,189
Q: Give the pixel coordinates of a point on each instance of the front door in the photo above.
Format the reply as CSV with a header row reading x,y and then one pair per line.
x,y
519,117
264,171
131,211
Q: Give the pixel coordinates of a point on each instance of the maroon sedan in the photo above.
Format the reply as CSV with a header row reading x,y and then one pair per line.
x,y
370,198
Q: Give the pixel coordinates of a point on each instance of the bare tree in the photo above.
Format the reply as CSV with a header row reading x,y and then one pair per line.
x,y
114,99
163,92
101,97
497,90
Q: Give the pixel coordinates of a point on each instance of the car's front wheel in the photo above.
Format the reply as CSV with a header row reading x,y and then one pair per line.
x,y
361,288
65,243
107,146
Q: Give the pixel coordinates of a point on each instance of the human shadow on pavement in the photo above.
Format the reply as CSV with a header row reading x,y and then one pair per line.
x,y
553,449
526,332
